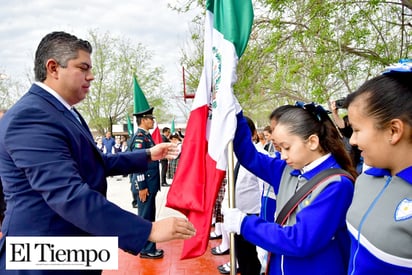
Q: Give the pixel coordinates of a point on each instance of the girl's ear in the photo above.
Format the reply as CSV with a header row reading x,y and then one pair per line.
x,y
397,130
313,142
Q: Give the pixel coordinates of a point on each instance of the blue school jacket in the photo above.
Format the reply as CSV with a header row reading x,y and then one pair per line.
x,y
315,239
380,223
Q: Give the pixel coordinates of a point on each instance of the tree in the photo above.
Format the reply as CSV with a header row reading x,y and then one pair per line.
x,y
322,49
314,50
111,94
10,91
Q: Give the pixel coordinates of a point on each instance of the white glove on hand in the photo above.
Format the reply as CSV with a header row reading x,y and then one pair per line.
x,y
232,220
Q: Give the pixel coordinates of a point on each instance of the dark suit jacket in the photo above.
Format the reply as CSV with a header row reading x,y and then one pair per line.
x,y
165,139
54,177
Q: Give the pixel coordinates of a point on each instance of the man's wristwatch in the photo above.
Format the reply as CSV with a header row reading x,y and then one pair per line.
x,y
148,155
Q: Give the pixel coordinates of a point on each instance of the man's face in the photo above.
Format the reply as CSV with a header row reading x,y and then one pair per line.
x,y
74,79
147,122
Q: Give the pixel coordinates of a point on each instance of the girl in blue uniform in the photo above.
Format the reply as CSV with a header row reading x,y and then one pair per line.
x,y
315,239
380,217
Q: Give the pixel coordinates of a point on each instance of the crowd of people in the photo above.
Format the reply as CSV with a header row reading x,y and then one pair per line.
x,y
315,193
109,145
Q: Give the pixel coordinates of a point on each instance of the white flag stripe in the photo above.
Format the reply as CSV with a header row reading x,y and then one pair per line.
x,y
203,95
223,123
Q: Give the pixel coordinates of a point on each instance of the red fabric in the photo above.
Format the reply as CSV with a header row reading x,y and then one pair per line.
x,y
157,137
196,183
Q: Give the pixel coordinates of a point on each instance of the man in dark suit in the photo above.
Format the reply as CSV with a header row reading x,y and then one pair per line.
x,y
54,177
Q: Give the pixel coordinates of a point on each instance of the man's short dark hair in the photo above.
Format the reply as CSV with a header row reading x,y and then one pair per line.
x,y
59,46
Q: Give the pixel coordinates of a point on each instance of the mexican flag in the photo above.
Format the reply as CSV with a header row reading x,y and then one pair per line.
x,y
156,135
212,122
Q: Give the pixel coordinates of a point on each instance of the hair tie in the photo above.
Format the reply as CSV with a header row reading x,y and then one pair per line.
x,y
403,66
315,109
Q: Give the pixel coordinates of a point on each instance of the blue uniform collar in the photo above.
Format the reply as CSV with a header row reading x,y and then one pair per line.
x,y
143,130
330,162
405,174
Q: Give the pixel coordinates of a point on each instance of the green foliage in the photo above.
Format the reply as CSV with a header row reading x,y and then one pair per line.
x,y
312,50
111,94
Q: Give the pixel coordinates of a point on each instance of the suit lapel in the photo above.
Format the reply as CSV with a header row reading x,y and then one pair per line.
x,y
83,123
84,129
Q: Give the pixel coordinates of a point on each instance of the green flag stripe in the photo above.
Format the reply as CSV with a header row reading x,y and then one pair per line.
x,y
172,127
233,19
129,126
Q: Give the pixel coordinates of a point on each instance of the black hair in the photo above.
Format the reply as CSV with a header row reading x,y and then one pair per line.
x,y
387,97
251,125
279,111
175,135
139,120
59,46
304,123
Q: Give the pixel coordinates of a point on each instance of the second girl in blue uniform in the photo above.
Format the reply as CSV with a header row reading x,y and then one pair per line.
x,y
314,239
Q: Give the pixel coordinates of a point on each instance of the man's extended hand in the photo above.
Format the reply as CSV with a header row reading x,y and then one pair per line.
x,y
164,150
170,229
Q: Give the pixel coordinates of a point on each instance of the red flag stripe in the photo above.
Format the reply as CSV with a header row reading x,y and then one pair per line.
x,y
157,137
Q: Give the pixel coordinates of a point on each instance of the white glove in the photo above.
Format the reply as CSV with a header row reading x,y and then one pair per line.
x,y
232,220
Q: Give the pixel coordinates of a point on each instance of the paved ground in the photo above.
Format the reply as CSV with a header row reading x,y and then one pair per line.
x,y
119,193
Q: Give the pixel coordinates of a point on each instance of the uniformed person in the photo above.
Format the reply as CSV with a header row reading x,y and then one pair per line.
x,y
148,183
380,216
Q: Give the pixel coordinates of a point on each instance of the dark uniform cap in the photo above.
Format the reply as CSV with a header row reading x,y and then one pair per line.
x,y
145,112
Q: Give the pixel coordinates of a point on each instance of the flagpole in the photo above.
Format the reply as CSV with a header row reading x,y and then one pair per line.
x,y
232,204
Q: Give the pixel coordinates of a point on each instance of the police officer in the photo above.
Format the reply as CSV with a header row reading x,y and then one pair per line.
x,y
147,183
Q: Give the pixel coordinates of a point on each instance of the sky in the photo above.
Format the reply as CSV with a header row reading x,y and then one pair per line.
x,y
161,30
